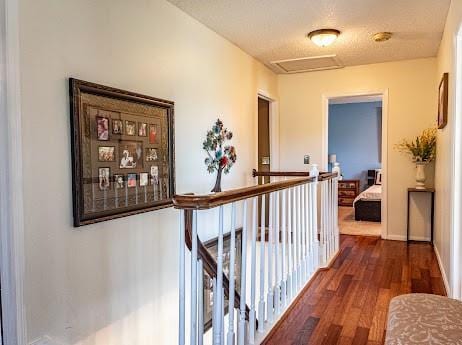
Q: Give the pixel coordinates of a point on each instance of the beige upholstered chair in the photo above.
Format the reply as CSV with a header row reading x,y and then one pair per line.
x,y
424,319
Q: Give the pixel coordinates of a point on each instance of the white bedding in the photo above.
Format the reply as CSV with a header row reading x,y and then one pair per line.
x,y
374,192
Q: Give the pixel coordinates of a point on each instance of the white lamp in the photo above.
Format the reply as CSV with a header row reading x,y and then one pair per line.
x,y
332,158
335,165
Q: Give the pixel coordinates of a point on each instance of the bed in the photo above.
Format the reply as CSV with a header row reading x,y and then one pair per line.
x,y
368,204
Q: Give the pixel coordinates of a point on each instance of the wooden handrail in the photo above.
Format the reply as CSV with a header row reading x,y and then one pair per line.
x,y
326,176
208,201
256,173
322,175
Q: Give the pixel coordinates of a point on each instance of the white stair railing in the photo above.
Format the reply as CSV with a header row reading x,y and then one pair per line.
x,y
270,269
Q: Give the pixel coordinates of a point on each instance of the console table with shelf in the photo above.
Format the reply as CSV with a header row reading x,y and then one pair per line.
x,y
432,212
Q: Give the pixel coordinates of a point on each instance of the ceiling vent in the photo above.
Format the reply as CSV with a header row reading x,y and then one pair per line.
x,y
308,64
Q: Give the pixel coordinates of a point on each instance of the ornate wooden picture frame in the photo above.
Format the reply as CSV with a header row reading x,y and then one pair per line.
x,y
443,101
122,152
212,247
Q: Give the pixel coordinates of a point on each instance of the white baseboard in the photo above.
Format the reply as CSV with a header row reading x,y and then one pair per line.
x,y
412,238
443,272
396,237
420,238
45,340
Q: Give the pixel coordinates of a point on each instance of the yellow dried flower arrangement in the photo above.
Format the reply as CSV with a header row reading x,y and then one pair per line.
x,y
422,149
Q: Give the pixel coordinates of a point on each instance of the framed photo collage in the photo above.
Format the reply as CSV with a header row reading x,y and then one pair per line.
x,y
123,159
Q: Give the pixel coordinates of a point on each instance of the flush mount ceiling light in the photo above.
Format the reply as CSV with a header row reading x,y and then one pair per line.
x,y
382,36
323,37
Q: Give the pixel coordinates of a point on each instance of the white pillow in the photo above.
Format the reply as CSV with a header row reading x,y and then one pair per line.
x,y
378,176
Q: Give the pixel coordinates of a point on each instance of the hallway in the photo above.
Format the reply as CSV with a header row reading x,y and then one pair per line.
x,y
347,303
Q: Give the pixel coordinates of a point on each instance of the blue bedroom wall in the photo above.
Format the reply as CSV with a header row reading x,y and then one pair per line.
x,y
355,131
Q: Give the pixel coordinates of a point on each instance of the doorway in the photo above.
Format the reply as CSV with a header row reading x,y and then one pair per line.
x,y
264,151
264,148
355,142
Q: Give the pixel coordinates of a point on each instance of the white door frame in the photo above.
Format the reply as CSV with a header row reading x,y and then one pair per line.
x,y
456,222
273,130
11,181
325,142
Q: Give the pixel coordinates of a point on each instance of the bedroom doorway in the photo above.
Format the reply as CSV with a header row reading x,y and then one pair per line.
x,y
355,132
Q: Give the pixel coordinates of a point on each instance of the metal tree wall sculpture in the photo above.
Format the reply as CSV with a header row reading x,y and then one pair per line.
x,y
220,157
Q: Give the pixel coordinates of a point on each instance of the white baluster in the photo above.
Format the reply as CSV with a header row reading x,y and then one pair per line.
x,y
241,330
322,225
253,272
326,221
200,289
295,240
303,232
181,335
289,244
336,214
214,310
310,227
321,222
193,329
331,207
331,204
277,228
232,258
222,318
218,330
284,258
261,304
314,199
299,240
329,216
270,297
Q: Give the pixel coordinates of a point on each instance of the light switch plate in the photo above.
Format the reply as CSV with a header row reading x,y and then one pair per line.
x,y
306,159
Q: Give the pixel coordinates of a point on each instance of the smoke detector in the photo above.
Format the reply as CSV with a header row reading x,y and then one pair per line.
x,y
382,36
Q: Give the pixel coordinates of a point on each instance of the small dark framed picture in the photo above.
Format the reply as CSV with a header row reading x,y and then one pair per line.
x,y
153,134
119,181
106,153
104,176
131,180
443,101
130,128
151,155
142,129
155,174
117,127
102,128
144,179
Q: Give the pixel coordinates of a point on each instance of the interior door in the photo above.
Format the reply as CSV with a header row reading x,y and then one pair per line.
x,y
264,154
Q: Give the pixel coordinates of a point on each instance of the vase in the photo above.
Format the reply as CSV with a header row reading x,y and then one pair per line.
x,y
217,187
420,175
314,170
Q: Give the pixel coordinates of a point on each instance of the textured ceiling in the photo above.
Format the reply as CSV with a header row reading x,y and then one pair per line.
x,y
275,30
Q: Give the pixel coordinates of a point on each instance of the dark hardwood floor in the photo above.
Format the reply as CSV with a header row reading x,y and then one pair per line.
x,y
348,303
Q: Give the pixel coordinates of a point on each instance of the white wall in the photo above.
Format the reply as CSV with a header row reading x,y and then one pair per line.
x,y
411,108
444,161
116,282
